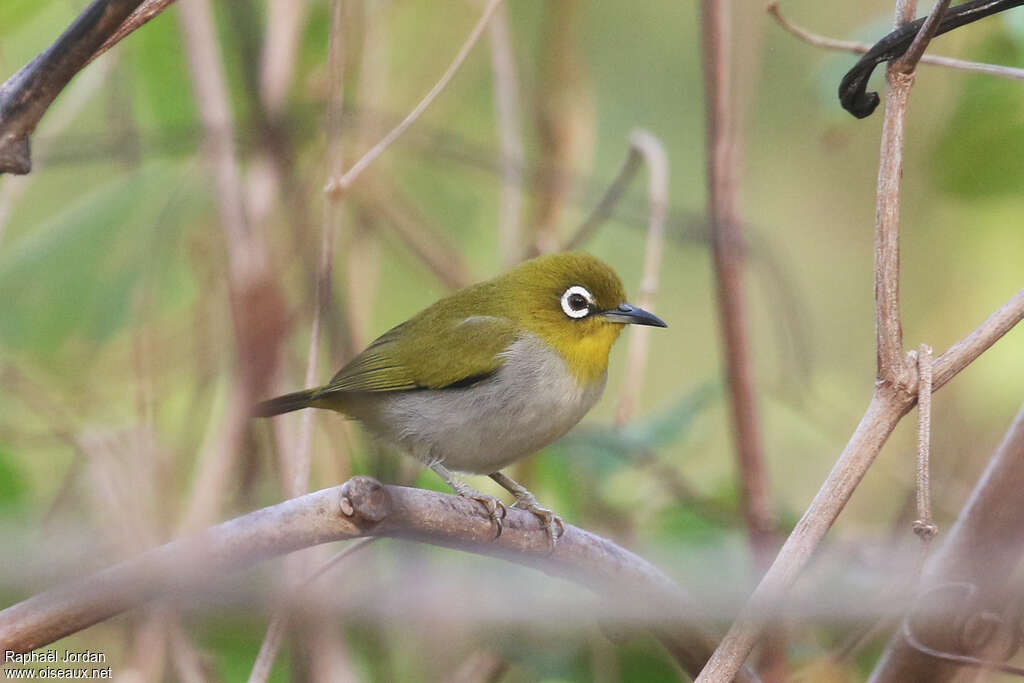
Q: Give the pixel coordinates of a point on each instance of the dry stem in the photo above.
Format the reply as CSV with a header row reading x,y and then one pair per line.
x,y
728,250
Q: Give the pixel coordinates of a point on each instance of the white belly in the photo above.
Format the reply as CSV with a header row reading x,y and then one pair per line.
x,y
530,402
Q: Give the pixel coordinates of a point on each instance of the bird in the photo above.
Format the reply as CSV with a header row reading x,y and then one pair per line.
x,y
488,375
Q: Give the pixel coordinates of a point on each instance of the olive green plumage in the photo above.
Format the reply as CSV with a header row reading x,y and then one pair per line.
x,y
460,338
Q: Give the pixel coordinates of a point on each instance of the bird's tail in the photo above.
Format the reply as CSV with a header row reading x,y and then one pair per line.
x,y
285,404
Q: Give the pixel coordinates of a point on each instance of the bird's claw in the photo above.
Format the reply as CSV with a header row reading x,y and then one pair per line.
x,y
552,523
496,510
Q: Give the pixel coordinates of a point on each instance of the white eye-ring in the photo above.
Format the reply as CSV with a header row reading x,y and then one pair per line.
x,y
576,302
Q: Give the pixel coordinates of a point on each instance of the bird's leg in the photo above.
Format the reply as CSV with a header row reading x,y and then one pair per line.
x,y
495,508
527,501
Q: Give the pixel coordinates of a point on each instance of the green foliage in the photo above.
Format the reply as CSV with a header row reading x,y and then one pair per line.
x,y
12,483
234,642
981,151
161,89
608,448
644,660
75,275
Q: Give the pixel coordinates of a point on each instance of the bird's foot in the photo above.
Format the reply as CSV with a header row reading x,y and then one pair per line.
x,y
552,523
496,509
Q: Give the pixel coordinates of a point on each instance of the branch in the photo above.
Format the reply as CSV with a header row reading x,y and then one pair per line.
x,y
26,95
728,250
861,48
362,507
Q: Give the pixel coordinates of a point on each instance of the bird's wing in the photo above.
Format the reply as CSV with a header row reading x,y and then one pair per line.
x,y
428,353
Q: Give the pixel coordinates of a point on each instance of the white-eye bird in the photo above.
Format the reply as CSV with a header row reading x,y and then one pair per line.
x,y
487,375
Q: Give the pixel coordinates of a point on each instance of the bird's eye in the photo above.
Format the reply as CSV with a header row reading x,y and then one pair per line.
x,y
576,302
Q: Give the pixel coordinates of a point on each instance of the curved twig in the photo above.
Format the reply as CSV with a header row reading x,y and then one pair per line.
x,y
853,88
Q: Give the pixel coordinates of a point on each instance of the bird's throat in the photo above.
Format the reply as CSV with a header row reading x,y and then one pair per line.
x,y
587,356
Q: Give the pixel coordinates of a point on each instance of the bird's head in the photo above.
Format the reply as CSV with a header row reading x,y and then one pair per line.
x,y
575,303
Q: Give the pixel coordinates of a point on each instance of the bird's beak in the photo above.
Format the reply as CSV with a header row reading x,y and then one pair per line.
x,y
628,314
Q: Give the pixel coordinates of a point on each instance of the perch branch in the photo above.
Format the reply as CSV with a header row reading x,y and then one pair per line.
x,y
362,507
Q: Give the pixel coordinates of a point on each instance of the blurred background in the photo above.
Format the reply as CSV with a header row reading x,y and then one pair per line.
x,y
119,357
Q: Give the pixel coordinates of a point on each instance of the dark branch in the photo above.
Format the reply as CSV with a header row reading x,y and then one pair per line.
x,y
26,95
853,89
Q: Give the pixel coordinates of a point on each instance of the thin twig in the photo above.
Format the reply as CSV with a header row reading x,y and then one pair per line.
x,y
279,623
861,48
653,154
908,62
608,201
269,647
506,108
147,10
923,525
339,185
362,507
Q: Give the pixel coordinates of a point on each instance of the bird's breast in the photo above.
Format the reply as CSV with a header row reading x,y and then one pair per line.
x,y
532,400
